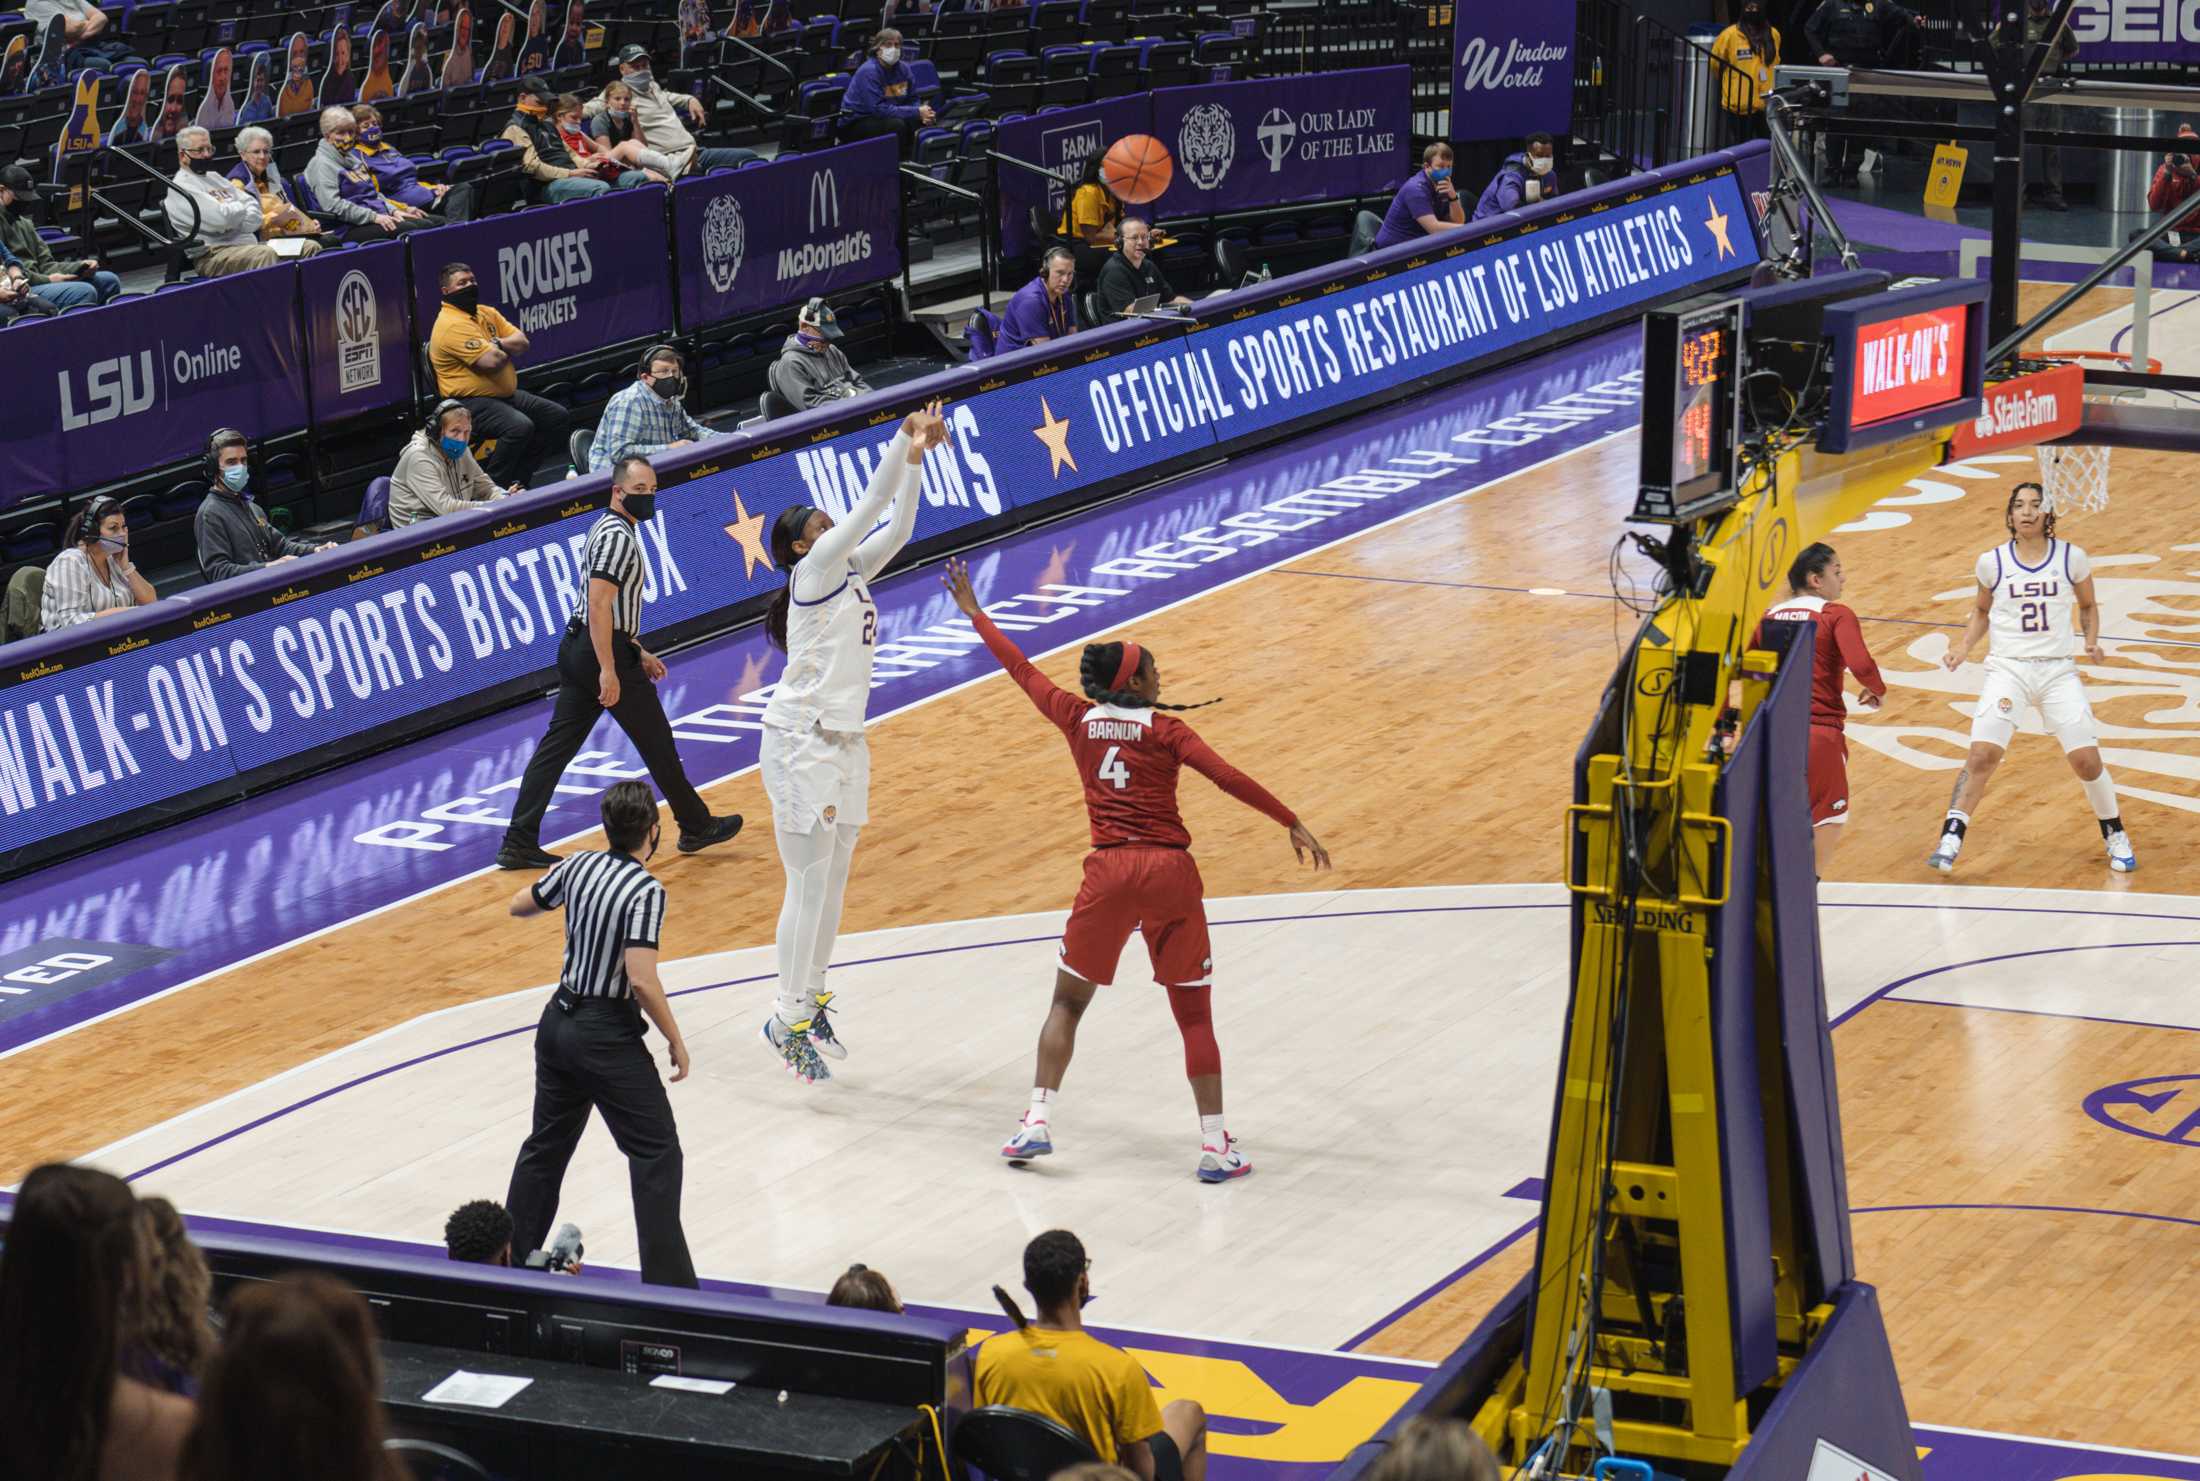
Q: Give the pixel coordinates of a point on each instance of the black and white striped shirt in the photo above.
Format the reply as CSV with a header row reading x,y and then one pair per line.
x,y
611,902
615,555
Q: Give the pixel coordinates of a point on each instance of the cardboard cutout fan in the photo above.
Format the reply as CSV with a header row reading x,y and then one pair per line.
x,y
458,67
298,93
504,54
218,109
534,51
338,86
259,90
135,126
377,84
173,103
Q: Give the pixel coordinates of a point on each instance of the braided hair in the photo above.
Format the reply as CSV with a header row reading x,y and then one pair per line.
x,y
2009,511
1096,670
786,530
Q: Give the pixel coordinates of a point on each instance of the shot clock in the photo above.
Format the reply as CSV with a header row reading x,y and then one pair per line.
x,y
1691,410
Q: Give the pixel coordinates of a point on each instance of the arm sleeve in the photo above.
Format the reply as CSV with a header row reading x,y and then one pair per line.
x,y
549,890
1511,190
1060,707
837,545
219,556
1203,758
863,95
883,544
68,598
1848,640
1137,1417
645,918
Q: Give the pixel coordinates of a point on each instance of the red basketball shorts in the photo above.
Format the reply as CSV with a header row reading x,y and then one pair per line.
x,y
1829,776
1154,891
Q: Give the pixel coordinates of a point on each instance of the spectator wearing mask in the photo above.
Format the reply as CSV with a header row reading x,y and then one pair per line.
x,y
479,1233
92,576
174,1329
881,96
2045,186
69,1276
471,349
647,417
811,370
398,177
257,172
91,40
436,473
863,1289
345,188
1132,273
1523,179
221,215
1050,1365
233,532
553,174
611,121
1428,203
588,152
2176,182
1743,57
1852,33
295,1391
65,286
1040,310
662,120
1091,218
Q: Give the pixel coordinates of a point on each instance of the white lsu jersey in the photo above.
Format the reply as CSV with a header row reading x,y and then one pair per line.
x,y
2033,607
830,644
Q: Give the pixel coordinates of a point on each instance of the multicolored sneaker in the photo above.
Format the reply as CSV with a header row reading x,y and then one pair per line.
x,y
822,1037
791,1042
2121,858
1943,856
1031,1140
1219,1165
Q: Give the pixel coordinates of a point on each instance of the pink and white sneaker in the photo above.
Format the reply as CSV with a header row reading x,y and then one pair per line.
x,y
1031,1140
1219,1165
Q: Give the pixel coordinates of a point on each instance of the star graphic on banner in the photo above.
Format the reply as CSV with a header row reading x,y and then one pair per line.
x,y
748,532
1715,223
1055,434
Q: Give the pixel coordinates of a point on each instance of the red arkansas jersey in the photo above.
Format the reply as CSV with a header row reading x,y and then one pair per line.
x,y
1840,645
1129,759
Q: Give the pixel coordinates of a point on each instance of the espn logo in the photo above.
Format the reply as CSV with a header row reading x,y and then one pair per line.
x,y
2018,413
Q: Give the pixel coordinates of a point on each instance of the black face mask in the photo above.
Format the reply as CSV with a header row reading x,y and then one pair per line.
x,y
669,386
465,300
641,508
200,166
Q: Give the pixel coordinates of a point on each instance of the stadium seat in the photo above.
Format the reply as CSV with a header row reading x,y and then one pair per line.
x,y
772,406
1364,227
1017,1445
1230,262
984,334
1088,310
578,447
374,510
424,1460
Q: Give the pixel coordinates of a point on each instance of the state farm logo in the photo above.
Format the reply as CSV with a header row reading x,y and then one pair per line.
x,y
2034,408
2016,413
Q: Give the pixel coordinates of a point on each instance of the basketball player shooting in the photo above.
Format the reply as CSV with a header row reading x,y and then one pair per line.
x,y
1139,875
2027,589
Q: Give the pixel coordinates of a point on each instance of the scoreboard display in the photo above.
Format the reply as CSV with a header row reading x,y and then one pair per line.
x,y
1691,410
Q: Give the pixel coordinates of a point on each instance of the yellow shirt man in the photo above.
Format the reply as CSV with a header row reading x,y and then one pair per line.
x,y
1073,1378
1744,69
457,341
1092,208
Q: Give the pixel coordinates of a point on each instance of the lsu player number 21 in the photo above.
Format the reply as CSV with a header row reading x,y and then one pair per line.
x,y
1139,875
2028,589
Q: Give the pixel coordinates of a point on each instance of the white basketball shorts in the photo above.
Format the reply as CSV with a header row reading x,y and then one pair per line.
x,y
2049,685
816,776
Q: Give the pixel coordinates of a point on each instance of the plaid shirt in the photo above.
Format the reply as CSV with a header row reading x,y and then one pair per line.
x,y
640,421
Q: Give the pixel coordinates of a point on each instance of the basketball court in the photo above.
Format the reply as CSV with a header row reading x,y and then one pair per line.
x,y
1409,615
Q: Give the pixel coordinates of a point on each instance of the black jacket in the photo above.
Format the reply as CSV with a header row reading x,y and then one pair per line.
x,y
1120,285
234,536
1854,31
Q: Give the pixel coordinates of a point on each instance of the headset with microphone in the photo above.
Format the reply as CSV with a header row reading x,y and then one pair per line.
x,y
443,408
210,460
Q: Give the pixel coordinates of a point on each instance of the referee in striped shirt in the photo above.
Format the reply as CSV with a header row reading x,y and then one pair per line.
x,y
588,1048
602,665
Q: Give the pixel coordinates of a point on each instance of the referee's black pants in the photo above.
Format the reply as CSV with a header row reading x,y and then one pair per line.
x,y
589,1054
638,714
527,430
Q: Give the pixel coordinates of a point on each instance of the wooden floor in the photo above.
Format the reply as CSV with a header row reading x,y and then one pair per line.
x,y
1413,699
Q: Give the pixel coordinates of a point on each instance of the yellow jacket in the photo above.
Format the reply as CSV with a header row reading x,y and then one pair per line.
x,y
1744,76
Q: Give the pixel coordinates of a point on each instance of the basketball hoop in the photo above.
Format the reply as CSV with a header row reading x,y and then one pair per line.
x,y
2074,476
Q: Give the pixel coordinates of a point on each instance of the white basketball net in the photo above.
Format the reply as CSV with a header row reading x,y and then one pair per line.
x,y
2073,479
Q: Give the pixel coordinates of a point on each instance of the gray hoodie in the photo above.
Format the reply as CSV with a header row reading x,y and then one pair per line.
x,y
425,483
810,377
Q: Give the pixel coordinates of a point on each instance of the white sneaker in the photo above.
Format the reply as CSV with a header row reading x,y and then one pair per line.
x,y
1032,1139
2120,855
1219,1165
822,1037
791,1042
1944,853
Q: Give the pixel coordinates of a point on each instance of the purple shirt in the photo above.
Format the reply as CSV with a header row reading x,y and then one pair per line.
x,y
1415,199
1032,315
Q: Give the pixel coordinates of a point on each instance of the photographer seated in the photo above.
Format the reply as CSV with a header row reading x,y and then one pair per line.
x,y
480,1233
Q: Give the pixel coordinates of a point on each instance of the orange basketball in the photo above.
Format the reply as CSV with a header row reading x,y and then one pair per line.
x,y
1137,168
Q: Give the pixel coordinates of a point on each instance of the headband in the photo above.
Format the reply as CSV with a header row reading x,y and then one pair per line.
x,y
1132,654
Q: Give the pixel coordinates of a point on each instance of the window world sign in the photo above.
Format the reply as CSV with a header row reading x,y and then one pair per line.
x,y
234,687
